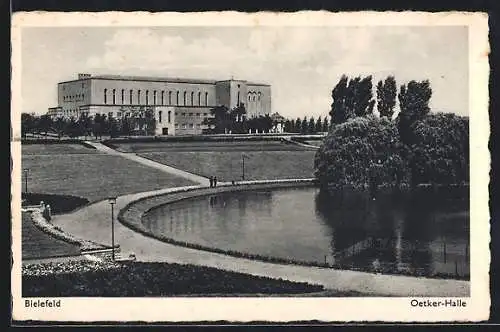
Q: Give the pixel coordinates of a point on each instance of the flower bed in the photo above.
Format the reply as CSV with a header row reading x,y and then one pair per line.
x,y
84,278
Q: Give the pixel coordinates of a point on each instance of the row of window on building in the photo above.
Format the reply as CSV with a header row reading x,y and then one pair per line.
x,y
119,114
77,97
159,97
252,95
187,125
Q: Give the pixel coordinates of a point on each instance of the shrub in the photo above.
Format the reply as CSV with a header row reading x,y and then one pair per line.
x,y
58,203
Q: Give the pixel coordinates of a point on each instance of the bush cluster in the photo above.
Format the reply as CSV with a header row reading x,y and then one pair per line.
x,y
84,278
27,141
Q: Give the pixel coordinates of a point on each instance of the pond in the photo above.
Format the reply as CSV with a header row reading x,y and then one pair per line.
x,y
394,233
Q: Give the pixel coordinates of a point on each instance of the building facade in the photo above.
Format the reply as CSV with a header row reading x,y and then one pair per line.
x,y
180,105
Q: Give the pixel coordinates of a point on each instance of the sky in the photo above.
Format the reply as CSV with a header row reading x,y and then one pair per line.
x,y
302,64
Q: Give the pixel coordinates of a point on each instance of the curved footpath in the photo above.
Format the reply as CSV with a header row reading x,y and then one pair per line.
x,y
93,223
150,163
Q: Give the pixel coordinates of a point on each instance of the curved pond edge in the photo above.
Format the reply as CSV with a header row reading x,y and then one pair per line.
x,y
131,216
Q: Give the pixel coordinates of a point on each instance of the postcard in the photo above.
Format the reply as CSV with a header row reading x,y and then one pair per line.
x,y
250,167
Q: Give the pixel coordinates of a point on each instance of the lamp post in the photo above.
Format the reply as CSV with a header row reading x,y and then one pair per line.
x,y
112,202
26,172
243,156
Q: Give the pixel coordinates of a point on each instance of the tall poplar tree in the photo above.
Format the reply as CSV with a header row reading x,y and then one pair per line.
x,y
386,97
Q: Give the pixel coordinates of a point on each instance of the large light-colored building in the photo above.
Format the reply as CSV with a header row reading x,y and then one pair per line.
x,y
180,105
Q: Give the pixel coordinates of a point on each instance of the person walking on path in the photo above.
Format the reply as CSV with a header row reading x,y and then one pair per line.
x,y
211,181
215,181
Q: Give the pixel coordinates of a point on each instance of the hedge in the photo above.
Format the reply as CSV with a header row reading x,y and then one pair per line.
x,y
58,203
56,141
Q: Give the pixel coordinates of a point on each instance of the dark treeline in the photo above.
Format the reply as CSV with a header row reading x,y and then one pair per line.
x,y
307,126
414,147
137,123
235,121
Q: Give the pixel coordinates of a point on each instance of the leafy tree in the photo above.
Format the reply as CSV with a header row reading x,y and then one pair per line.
x,y
312,126
98,125
262,124
414,99
319,125
386,97
352,97
287,126
414,105
339,112
292,126
59,126
149,124
72,128
439,153
45,123
28,123
219,121
126,126
326,125
360,97
114,128
359,152
298,125
332,125
267,123
237,119
85,124
304,126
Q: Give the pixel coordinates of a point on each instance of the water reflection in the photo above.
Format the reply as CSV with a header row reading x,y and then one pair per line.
x,y
394,233
416,234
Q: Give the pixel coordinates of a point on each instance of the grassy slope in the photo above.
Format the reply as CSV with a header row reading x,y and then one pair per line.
x,y
227,165
38,244
79,171
266,159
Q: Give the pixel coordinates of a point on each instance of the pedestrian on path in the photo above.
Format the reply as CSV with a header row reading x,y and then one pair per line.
x,y
211,181
215,181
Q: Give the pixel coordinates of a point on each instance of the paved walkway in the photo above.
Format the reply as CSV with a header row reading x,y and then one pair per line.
x,y
150,163
93,223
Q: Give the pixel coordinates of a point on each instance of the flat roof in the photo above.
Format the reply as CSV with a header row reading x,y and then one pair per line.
x,y
157,79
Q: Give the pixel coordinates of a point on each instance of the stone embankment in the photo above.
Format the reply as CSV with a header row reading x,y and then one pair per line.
x,y
290,140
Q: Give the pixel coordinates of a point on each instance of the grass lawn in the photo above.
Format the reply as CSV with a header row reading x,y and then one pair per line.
x,y
84,278
93,176
227,165
208,146
38,244
38,149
